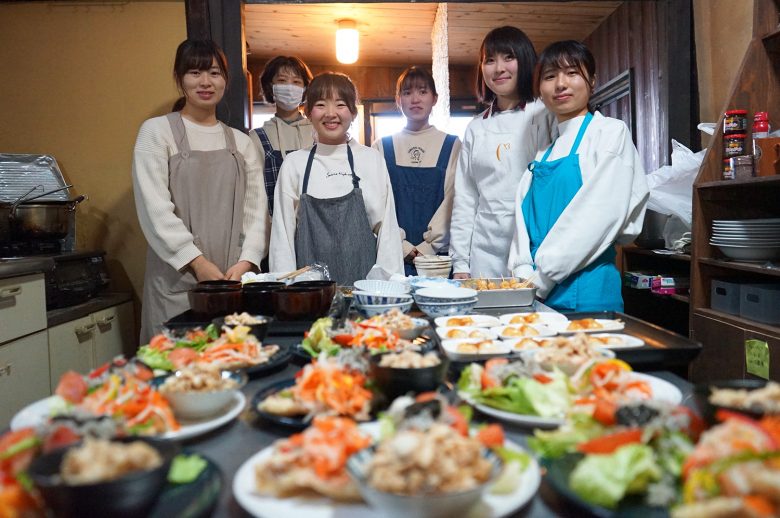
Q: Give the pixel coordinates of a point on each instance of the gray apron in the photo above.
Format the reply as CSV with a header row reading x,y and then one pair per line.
x,y
207,190
335,231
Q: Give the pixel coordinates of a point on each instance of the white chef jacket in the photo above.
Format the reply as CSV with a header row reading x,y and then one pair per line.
x,y
330,177
608,208
496,150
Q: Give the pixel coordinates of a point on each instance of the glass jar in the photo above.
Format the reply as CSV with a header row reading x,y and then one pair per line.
x,y
728,173
735,121
734,145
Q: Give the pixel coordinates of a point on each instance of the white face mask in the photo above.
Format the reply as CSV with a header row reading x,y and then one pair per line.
x,y
288,97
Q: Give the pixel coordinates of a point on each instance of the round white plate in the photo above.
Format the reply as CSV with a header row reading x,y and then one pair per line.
x,y
442,332
607,326
542,330
628,340
500,348
759,221
476,320
36,414
492,506
662,391
545,317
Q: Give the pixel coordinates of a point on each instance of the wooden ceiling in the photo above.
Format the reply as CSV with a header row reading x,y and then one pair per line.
x,y
400,33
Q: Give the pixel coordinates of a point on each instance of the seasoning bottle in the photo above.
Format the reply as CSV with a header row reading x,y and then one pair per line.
x,y
735,121
734,145
760,125
728,173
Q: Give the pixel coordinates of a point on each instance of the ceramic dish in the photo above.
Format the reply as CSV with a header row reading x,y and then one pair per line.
x,y
442,309
509,332
292,422
533,317
461,332
467,320
313,506
462,350
607,325
382,287
371,310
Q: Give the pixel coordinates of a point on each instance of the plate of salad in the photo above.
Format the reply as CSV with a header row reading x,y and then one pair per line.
x,y
365,334
629,465
232,348
521,393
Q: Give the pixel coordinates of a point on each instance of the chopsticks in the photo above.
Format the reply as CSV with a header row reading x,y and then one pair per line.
x,y
294,274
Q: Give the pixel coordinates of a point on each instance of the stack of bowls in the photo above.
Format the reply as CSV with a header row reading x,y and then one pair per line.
x,y
445,300
433,265
373,297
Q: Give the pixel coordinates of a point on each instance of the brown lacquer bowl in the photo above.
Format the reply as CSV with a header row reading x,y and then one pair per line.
x,y
296,303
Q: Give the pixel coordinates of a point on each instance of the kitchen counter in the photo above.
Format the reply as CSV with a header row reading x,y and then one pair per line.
x,y
233,444
18,266
59,316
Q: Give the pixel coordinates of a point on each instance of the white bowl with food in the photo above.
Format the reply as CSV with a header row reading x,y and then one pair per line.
x,y
201,391
462,332
405,326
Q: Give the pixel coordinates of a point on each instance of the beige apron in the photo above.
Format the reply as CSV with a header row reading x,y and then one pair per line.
x,y
207,189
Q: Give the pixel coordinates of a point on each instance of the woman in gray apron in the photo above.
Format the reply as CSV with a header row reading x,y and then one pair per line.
x,y
198,191
334,203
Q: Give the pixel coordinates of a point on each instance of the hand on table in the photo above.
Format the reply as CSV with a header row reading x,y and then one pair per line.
x,y
235,272
205,270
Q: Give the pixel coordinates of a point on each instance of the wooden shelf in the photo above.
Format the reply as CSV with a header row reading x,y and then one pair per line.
x,y
740,266
675,296
650,253
756,182
739,321
772,40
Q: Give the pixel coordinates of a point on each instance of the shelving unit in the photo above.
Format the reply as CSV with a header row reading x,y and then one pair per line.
x,y
667,311
756,88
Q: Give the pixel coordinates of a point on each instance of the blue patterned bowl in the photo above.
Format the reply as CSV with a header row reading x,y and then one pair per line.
x,y
365,298
445,309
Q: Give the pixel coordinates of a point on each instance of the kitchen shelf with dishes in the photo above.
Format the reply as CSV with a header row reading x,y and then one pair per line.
x,y
735,258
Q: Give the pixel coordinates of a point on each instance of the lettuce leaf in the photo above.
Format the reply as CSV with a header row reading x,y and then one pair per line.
x,y
528,396
186,468
470,380
605,479
579,428
318,339
154,358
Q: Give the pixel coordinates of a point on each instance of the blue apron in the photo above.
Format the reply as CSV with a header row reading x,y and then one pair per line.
x,y
418,192
597,286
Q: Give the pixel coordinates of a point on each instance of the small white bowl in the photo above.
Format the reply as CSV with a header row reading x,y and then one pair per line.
x,y
382,287
371,310
444,294
366,298
199,405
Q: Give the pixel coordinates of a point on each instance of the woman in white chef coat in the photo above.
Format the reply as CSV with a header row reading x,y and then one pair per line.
x,y
581,195
283,81
421,160
198,191
497,147
334,203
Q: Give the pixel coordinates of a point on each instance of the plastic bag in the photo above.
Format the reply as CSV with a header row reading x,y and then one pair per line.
x,y
671,186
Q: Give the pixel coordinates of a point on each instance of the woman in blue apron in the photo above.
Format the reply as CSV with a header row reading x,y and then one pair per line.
x,y
421,161
334,203
582,195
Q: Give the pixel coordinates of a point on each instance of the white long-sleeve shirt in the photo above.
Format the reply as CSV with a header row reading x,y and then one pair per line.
x,y
608,208
166,234
496,150
330,177
421,149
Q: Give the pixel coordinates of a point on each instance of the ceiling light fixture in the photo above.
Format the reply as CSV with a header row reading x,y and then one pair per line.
x,y
347,45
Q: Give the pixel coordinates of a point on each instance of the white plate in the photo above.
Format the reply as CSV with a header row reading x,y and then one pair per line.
x,y
607,326
476,320
764,221
500,348
541,329
36,413
442,331
628,340
662,391
492,506
545,317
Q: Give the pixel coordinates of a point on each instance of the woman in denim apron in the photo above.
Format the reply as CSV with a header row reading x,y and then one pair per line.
x,y
583,194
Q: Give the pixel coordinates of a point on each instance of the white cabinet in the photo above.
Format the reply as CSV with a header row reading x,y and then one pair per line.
x,y
22,306
90,341
24,374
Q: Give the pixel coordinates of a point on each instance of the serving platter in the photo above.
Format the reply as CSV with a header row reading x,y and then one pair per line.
x,y
312,506
36,414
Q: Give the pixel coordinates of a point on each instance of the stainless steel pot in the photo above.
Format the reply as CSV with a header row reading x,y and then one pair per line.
x,y
43,220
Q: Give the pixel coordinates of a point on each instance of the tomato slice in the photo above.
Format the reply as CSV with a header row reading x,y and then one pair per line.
x,y
609,443
604,411
61,436
182,356
491,436
342,339
459,423
72,387
696,424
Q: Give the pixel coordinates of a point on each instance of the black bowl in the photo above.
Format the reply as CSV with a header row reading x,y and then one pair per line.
x,y
208,303
258,298
298,303
328,292
220,285
259,330
701,394
395,382
129,496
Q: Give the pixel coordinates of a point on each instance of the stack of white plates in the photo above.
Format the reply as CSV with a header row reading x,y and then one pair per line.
x,y
747,239
433,265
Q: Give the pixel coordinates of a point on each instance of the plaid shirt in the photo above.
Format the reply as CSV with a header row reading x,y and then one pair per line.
x,y
273,162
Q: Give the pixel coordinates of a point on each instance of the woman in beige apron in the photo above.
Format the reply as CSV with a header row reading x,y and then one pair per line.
x,y
198,192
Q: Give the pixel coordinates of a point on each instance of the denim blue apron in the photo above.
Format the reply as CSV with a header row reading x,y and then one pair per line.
x,y
418,192
597,286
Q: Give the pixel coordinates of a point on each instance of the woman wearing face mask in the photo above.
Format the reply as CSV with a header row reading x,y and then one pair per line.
x,y
198,191
582,194
421,161
497,147
283,81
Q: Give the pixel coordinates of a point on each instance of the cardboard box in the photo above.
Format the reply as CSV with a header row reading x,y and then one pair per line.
x,y
637,280
766,161
670,285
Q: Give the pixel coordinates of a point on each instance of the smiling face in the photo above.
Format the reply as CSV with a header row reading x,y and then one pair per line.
x,y
565,91
416,102
331,118
204,88
500,74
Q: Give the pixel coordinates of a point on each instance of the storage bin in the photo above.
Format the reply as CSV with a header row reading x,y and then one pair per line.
x,y
760,302
724,296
